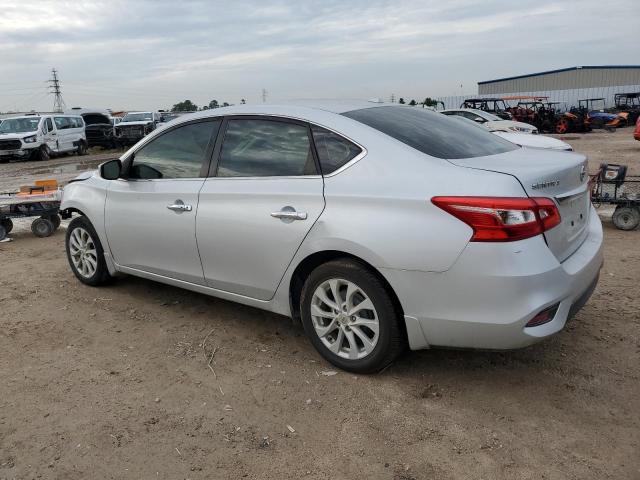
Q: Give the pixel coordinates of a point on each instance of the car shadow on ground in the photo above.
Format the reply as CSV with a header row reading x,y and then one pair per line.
x,y
255,325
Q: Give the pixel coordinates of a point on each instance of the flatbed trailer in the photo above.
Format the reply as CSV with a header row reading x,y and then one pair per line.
x,y
612,186
41,200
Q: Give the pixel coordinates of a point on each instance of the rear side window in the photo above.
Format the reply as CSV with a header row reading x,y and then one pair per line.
x,y
333,150
265,148
431,132
62,122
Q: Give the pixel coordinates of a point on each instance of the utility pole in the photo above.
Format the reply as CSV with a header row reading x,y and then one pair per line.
x,y
393,98
54,87
264,95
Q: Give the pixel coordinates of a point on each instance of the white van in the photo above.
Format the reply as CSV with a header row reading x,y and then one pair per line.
x,y
37,137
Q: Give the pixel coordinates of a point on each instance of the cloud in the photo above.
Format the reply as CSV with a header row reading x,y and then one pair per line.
x,y
153,53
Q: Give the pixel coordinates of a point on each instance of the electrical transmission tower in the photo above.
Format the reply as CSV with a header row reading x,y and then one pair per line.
x,y
54,87
264,96
393,98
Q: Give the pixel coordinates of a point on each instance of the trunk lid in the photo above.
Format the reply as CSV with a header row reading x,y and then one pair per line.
x,y
561,176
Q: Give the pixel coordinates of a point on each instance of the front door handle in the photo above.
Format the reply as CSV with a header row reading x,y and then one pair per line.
x,y
179,206
289,214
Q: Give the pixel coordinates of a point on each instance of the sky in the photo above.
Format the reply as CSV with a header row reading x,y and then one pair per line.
x,y
151,54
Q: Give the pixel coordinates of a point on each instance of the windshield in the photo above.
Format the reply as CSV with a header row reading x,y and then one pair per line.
x,y
138,117
432,133
20,125
491,117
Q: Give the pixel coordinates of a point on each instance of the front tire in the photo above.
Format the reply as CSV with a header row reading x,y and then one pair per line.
x,y
85,253
350,317
7,223
42,227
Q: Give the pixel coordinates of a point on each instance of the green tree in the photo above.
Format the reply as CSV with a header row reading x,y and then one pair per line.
x,y
401,100
186,106
429,102
225,104
214,104
412,103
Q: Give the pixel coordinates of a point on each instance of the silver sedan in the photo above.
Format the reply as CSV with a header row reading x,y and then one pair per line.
x,y
377,226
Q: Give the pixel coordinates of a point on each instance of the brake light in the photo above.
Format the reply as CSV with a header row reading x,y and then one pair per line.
x,y
502,219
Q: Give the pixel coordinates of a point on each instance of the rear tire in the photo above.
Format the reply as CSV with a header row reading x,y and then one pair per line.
x,y
626,218
359,331
7,224
85,253
55,219
42,227
82,148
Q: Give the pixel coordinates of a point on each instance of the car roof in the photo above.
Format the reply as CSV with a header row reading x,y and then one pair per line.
x,y
302,109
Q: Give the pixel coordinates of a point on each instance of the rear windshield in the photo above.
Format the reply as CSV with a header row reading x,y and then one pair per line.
x,y
432,133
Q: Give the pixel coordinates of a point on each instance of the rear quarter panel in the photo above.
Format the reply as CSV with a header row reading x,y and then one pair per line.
x,y
380,208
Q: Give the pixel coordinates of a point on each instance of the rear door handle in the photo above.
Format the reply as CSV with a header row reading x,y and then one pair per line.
x,y
179,206
288,213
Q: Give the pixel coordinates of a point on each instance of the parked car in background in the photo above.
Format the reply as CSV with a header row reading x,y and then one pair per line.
x,y
497,106
636,132
376,225
521,139
490,120
98,127
135,126
37,137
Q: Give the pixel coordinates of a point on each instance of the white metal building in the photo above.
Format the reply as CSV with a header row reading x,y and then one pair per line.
x,y
567,85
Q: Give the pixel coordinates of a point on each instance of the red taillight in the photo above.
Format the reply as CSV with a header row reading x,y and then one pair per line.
x,y
502,219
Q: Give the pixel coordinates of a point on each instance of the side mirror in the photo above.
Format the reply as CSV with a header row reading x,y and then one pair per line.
x,y
111,170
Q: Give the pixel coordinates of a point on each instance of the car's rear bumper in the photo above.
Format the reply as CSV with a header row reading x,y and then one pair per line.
x,y
487,297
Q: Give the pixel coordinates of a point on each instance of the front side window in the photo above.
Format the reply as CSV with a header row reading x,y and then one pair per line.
x,y
333,150
265,148
431,132
179,153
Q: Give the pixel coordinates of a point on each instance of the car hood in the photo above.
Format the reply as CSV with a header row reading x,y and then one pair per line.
x,y
508,124
127,124
535,141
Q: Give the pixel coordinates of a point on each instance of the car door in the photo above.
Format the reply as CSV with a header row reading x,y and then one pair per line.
x,y
63,125
150,216
50,134
263,197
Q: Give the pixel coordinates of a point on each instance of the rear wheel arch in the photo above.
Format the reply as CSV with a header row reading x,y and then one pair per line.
x,y
308,264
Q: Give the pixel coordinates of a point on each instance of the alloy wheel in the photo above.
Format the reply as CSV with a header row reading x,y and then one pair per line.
x,y
83,252
345,319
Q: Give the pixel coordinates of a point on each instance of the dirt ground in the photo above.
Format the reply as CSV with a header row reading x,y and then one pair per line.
x,y
115,382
